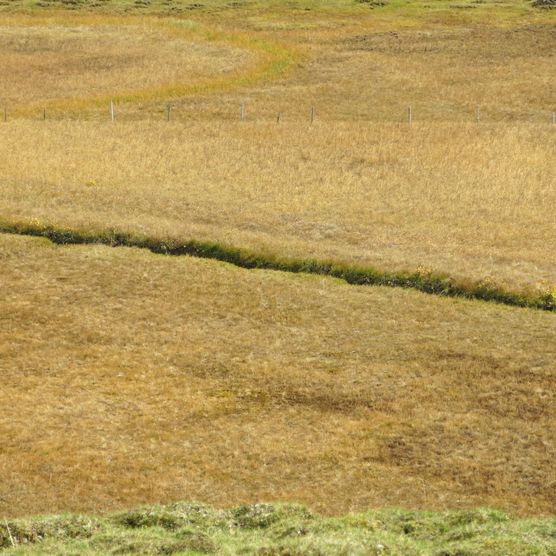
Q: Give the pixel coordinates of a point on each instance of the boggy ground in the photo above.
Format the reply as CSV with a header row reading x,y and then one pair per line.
x,y
129,377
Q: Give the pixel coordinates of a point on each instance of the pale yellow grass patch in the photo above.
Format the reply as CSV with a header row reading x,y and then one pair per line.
x,y
129,377
472,200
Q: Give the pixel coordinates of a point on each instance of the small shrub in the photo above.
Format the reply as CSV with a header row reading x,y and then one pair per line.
x,y
255,516
171,517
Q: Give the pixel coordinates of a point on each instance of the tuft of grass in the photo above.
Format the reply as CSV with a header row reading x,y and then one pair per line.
x,y
425,281
283,529
62,528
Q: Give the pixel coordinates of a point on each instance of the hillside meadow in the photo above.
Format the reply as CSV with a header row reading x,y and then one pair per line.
x,y
355,61
359,186
273,529
130,378
472,202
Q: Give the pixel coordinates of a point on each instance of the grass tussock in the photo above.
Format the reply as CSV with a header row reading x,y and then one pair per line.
x,y
131,378
422,280
281,529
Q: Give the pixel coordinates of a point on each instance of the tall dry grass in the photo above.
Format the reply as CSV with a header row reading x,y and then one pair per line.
x,y
361,72
357,64
130,378
470,200
74,63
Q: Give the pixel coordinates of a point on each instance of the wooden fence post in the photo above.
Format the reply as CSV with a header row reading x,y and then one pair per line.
x,y
312,114
112,114
409,115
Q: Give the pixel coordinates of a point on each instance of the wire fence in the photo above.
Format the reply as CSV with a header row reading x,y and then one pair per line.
x,y
258,112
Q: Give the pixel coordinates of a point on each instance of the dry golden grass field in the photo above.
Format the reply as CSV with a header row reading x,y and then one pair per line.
x,y
359,186
475,203
350,61
51,63
128,377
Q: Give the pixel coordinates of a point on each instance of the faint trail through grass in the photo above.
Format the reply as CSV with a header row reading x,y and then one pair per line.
x,y
272,60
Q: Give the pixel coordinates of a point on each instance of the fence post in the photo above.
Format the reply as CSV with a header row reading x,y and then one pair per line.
x,y
44,114
478,114
278,116
168,108
9,532
312,114
409,115
242,112
112,114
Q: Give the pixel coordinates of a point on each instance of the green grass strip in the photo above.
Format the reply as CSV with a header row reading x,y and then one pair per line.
x,y
425,281
280,530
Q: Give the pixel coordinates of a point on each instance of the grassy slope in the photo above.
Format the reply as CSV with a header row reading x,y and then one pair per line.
x,y
129,377
448,198
133,58
279,530
269,6
421,279
437,425
351,61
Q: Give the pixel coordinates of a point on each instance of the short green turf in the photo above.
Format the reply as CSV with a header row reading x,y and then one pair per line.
x,y
280,529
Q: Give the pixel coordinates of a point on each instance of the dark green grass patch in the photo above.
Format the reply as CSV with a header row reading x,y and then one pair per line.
x,y
424,281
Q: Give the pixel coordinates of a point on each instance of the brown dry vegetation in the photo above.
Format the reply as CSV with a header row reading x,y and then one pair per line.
x,y
48,62
475,202
129,377
351,64
443,72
